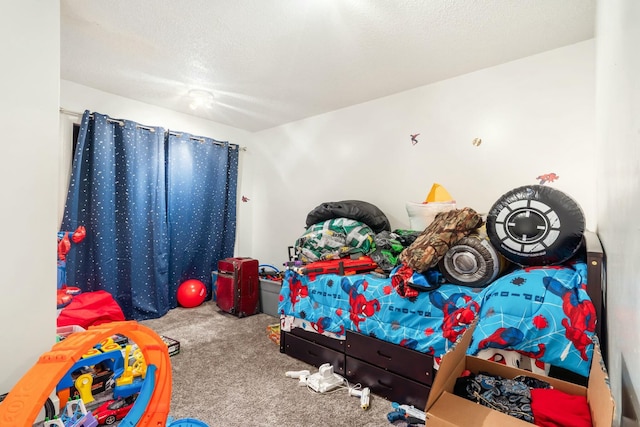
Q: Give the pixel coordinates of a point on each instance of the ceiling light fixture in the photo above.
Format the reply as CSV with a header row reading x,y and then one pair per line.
x,y
200,98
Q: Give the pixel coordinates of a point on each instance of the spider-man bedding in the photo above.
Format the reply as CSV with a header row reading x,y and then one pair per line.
x,y
331,304
542,312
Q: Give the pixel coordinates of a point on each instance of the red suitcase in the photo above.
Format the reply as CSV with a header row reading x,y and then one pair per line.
x,y
237,286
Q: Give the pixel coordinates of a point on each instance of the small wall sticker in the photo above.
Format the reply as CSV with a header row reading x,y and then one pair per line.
x,y
547,177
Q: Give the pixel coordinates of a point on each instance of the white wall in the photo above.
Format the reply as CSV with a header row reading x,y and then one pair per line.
x,y
77,98
618,153
535,116
29,79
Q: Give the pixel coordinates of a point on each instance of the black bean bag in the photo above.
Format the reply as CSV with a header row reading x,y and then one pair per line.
x,y
353,209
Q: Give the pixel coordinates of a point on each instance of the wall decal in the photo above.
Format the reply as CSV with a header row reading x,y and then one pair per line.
x,y
547,177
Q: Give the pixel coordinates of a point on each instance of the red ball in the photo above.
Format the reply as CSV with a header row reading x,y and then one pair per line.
x,y
191,293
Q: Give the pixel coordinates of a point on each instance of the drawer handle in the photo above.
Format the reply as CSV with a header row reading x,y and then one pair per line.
x,y
312,353
383,355
385,385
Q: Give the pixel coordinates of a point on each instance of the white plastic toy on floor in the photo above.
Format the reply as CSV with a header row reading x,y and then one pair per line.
x,y
325,379
322,381
408,411
301,375
363,395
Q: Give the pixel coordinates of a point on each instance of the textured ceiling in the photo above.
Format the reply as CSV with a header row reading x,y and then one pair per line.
x,y
271,62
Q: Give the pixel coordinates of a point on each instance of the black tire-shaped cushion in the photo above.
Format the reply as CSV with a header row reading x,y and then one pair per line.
x,y
353,209
536,225
472,262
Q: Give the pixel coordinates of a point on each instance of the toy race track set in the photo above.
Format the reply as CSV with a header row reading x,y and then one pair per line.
x,y
141,381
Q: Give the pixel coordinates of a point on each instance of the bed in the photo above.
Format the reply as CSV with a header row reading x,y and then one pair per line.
x,y
393,344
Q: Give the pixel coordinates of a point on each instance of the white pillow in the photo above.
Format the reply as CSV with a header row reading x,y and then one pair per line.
x,y
423,214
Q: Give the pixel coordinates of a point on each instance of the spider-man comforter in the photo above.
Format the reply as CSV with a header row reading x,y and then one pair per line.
x,y
542,312
429,323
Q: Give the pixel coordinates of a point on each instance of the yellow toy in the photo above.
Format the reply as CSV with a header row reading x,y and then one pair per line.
x,y
137,369
438,194
83,384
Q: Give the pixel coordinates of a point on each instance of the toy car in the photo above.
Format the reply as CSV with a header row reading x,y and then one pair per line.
x,y
113,410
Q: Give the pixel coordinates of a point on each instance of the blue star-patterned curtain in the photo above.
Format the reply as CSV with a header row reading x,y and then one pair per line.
x,y
201,205
121,189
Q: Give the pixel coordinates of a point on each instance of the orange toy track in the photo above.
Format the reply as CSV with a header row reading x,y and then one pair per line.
x,y
24,401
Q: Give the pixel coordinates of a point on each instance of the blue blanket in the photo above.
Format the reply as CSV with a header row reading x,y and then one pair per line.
x,y
365,303
542,312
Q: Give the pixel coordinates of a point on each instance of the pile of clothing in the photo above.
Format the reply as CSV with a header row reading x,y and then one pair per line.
x,y
352,228
526,398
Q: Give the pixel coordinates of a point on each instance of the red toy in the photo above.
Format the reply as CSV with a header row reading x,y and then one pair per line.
x,y
65,293
340,266
113,410
191,293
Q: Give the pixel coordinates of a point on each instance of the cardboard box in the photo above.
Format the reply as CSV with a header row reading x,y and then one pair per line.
x,y
446,409
173,346
269,293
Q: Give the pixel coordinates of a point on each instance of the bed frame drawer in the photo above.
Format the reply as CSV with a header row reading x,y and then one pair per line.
x,y
404,361
337,345
387,384
312,353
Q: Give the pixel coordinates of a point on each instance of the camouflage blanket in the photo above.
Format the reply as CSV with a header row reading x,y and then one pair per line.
x,y
446,229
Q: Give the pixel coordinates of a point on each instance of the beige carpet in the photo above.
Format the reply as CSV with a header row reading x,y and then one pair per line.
x,y
229,373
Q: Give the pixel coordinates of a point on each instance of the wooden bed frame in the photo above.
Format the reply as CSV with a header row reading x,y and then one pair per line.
x,y
404,375
597,286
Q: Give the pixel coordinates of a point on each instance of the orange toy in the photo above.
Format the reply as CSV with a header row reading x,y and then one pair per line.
x,y
24,401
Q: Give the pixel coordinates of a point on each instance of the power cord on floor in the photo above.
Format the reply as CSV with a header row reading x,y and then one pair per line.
x,y
353,390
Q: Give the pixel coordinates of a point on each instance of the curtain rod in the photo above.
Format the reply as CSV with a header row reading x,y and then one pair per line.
x,y
109,119
178,134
